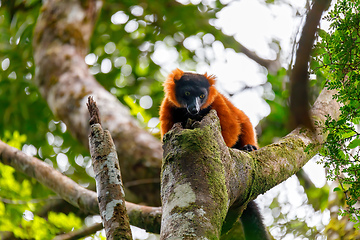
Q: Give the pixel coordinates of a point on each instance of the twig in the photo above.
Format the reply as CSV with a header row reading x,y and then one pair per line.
x,y
80,233
141,181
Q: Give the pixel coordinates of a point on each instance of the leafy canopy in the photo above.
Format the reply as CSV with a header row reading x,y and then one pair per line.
x,y
339,59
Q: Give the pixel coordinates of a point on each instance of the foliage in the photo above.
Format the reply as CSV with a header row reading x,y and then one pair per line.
x,y
339,58
23,110
21,198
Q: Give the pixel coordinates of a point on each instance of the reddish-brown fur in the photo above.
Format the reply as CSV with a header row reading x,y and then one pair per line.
x,y
235,125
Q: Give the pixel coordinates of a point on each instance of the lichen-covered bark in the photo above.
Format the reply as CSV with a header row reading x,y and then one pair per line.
x,y
193,193
109,186
61,40
141,216
196,158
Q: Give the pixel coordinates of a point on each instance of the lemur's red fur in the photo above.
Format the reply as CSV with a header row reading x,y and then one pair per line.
x,y
235,125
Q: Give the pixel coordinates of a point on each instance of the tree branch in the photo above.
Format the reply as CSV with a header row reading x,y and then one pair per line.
x,y
141,216
271,65
80,233
61,40
109,186
229,41
299,106
277,162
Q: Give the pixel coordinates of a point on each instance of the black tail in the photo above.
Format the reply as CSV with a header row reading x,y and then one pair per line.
x,y
252,221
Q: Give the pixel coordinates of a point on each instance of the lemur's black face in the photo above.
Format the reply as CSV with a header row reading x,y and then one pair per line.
x,y
191,91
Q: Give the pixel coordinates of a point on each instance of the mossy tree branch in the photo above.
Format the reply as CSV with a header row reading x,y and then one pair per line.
x,y
202,179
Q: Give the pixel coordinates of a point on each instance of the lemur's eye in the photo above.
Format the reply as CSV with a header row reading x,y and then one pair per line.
x,y
187,93
202,95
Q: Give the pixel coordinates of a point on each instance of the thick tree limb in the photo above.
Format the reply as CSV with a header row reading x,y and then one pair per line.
x,y
197,163
299,106
109,185
61,40
141,216
277,162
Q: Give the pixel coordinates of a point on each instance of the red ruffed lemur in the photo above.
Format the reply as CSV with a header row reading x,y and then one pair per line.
x,y
192,96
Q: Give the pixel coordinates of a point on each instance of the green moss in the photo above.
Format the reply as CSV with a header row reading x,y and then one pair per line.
x,y
197,158
192,140
217,187
190,208
212,236
288,150
196,140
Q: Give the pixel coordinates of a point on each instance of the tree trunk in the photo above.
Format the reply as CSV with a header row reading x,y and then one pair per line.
x,y
194,191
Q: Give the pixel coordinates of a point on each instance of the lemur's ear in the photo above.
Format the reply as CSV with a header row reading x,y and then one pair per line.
x,y
176,74
211,79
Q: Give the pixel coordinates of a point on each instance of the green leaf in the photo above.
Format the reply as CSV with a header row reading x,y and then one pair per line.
x,y
356,120
355,143
64,222
337,189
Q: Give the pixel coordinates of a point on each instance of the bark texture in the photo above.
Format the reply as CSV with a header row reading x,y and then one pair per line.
x,y
141,216
61,40
202,179
194,193
109,185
